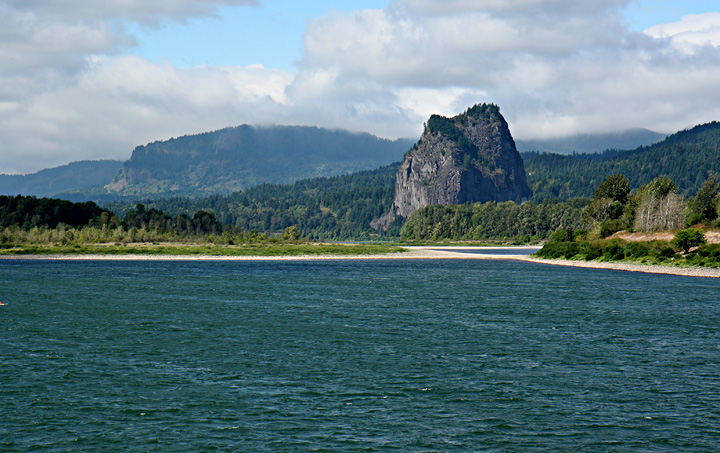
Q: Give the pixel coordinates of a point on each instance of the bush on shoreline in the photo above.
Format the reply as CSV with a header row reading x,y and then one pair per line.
x,y
564,245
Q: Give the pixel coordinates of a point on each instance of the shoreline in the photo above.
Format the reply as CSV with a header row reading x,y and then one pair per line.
x,y
411,253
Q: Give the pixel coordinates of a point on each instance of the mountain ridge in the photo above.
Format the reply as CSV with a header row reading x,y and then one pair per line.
x,y
235,158
57,180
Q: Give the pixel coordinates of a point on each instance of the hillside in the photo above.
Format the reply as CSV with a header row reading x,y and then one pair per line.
x,y
339,207
686,157
236,158
342,207
53,181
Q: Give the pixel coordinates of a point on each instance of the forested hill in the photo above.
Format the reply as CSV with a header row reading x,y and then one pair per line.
x,y
237,158
52,181
687,157
342,207
339,207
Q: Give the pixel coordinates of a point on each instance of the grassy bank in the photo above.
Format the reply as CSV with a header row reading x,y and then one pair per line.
x,y
282,249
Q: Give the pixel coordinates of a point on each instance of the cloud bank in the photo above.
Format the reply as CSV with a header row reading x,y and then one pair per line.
x,y
70,91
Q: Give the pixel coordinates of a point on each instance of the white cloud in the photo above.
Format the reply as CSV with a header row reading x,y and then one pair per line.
x,y
693,30
121,102
141,11
555,67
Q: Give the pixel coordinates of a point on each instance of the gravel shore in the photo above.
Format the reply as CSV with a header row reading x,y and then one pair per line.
x,y
413,252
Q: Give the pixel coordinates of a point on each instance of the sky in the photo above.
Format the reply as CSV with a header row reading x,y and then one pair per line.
x,y
82,79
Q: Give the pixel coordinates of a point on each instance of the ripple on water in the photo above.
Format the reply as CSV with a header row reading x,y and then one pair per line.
x,y
355,356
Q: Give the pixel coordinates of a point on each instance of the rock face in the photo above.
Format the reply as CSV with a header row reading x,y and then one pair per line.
x,y
468,158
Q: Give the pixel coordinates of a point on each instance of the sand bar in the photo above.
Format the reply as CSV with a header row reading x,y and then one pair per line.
x,y
411,253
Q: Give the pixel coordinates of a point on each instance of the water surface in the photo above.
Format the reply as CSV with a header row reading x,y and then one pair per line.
x,y
456,355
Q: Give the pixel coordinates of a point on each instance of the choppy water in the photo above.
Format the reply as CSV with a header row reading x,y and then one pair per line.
x,y
403,356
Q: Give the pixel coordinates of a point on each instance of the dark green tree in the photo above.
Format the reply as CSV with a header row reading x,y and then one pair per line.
x,y
689,238
616,187
703,207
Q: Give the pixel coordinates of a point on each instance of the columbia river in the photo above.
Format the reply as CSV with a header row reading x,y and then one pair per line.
x,y
362,355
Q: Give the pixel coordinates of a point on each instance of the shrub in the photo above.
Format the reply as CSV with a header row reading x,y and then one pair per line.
x,y
555,250
563,235
666,252
614,252
710,251
610,226
592,254
689,238
637,249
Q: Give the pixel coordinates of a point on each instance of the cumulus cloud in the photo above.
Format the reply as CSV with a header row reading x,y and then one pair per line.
x,y
692,31
140,11
67,93
555,67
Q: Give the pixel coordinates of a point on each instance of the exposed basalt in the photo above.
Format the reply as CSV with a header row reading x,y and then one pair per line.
x,y
468,158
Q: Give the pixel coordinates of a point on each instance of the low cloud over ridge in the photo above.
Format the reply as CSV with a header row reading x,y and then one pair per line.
x,y
68,90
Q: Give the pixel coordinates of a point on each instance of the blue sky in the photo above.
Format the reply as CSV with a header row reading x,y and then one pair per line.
x,y
269,33
81,79
646,13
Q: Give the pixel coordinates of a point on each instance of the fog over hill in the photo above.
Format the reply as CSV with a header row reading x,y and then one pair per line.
x,y
592,143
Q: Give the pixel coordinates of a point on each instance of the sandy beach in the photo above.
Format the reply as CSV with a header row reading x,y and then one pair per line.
x,y
411,253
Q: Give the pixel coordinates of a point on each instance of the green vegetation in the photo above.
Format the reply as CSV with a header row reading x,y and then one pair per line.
x,y
689,238
46,226
567,244
483,221
263,249
655,206
28,212
686,157
451,129
339,207
53,181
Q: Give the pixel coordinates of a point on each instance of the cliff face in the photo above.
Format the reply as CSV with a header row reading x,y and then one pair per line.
x,y
468,158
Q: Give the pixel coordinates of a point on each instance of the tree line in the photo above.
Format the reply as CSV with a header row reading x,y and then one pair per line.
x,y
656,206
339,207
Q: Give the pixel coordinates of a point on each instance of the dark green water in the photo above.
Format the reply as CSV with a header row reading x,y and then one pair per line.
x,y
403,356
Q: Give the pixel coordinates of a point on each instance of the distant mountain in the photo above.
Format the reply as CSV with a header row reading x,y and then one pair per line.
x,y
52,181
342,207
686,157
236,158
592,143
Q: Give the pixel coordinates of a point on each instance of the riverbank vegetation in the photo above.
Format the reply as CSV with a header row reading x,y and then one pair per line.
x,y
688,248
614,207
187,249
29,225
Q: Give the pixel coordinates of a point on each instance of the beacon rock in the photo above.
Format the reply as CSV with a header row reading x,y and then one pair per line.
x,y
468,158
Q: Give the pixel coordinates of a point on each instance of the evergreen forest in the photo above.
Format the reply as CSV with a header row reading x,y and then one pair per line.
x,y
668,185
687,157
